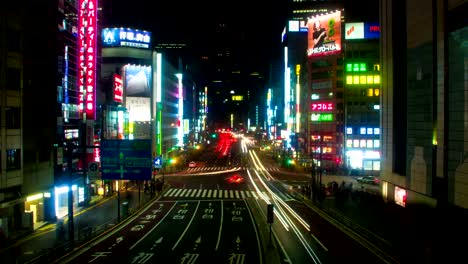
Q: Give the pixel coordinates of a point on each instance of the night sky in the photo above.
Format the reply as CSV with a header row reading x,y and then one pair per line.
x,y
193,22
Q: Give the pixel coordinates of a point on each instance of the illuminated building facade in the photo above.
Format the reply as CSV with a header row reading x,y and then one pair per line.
x,y
362,84
41,103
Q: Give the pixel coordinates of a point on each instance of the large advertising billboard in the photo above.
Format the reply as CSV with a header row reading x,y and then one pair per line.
x,y
137,80
125,37
324,34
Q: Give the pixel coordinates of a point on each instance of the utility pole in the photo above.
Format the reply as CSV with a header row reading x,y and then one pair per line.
x,y
71,225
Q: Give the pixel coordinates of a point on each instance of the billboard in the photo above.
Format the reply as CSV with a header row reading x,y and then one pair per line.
x,y
87,46
362,30
324,34
125,37
137,80
139,108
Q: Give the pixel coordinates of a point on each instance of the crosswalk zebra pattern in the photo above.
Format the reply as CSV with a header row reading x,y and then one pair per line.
x,y
208,169
217,194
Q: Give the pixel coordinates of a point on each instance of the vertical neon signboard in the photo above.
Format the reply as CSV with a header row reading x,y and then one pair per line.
x,y
87,25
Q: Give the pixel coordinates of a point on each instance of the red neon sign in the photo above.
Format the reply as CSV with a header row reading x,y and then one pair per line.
x,y
87,28
118,89
374,28
322,106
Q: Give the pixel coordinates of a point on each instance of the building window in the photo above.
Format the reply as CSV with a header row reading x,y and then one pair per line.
x,y
13,117
13,79
376,143
349,130
13,159
13,40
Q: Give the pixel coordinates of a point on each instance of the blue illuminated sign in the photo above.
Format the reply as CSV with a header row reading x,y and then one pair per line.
x,y
158,162
125,37
126,159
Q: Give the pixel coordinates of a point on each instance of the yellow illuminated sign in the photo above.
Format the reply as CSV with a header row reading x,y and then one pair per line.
x,y
237,98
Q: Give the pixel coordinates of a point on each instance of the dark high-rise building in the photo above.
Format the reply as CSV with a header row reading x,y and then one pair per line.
x,y
424,101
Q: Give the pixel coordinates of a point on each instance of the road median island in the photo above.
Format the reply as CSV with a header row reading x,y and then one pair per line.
x,y
269,247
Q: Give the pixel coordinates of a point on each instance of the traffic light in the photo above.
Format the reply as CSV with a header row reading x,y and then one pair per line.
x,y
213,135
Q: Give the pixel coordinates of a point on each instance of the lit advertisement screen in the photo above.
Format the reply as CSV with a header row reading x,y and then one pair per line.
x,y
138,108
322,106
324,35
125,37
87,43
354,30
137,80
362,30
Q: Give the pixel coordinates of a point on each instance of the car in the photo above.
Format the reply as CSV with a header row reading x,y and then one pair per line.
x,y
192,164
368,180
236,179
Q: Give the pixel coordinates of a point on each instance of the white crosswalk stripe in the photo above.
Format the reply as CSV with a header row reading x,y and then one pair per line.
x,y
218,194
211,169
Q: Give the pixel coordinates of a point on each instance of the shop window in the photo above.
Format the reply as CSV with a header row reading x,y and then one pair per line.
x,y
349,143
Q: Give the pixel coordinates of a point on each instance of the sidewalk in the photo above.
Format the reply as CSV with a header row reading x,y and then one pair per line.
x,y
46,242
412,234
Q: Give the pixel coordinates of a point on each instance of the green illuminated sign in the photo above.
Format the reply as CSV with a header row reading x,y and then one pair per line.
x,y
322,117
356,67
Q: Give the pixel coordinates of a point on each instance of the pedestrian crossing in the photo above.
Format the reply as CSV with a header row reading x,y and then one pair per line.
x,y
218,194
214,168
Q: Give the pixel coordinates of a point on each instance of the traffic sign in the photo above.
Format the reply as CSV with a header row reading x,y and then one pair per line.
x,y
126,159
93,170
158,162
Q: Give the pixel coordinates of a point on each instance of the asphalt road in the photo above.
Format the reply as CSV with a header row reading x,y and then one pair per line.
x,y
181,232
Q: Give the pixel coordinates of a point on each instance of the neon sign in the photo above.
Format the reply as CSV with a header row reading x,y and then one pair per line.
x,y
322,106
118,89
322,117
87,25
